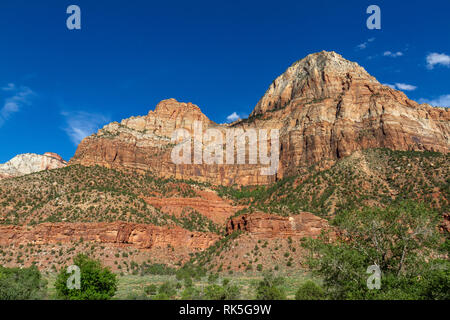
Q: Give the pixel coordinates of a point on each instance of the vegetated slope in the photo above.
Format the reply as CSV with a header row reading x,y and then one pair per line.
x,y
376,177
94,194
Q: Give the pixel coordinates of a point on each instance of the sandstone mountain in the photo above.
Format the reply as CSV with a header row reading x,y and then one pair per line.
x,y
346,142
325,107
27,163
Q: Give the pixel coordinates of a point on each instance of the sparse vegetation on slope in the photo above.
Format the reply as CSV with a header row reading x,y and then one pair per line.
x,y
93,194
378,177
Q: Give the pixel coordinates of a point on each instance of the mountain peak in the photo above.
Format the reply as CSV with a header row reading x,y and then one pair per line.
x,y
318,76
174,108
330,61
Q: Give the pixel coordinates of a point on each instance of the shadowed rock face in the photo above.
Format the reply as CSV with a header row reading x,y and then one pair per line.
x,y
27,163
325,107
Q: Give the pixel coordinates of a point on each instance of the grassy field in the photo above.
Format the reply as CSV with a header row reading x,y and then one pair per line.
x,y
133,285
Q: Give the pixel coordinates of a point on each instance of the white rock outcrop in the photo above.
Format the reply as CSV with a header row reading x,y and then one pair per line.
x,y
27,163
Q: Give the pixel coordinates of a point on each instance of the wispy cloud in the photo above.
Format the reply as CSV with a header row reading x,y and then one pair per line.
x,y
393,54
442,101
406,87
434,59
80,124
19,96
364,45
9,87
401,86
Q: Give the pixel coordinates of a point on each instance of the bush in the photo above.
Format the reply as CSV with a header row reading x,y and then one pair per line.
x,y
97,282
156,268
151,289
191,293
167,289
212,278
310,291
226,291
269,288
22,284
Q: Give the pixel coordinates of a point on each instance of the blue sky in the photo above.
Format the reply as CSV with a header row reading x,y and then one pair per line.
x,y
58,85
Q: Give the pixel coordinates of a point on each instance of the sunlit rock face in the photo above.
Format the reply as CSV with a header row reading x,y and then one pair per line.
x,y
325,107
27,163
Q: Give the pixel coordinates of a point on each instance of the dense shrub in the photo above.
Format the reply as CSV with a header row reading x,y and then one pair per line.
x,y
191,293
401,240
167,289
156,268
21,284
226,291
151,289
97,282
310,291
270,288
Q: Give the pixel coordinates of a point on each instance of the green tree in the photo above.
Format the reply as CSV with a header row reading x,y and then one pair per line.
x,y
191,293
226,291
22,284
401,240
270,288
310,291
97,282
167,290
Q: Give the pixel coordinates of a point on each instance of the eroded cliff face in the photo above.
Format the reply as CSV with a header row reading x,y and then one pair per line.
x,y
264,226
121,234
325,107
27,163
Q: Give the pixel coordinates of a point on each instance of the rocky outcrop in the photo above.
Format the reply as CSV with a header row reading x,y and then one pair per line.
x,y
117,233
325,107
265,225
27,163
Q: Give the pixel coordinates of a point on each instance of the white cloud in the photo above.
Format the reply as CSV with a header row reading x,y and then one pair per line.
x,y
442,101
80,124
233,117
393,54
21,97
364,44
406,87
401,86
436,59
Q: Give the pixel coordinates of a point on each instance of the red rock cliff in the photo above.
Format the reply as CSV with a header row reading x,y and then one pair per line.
x,y
118,233
272,226
325,107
